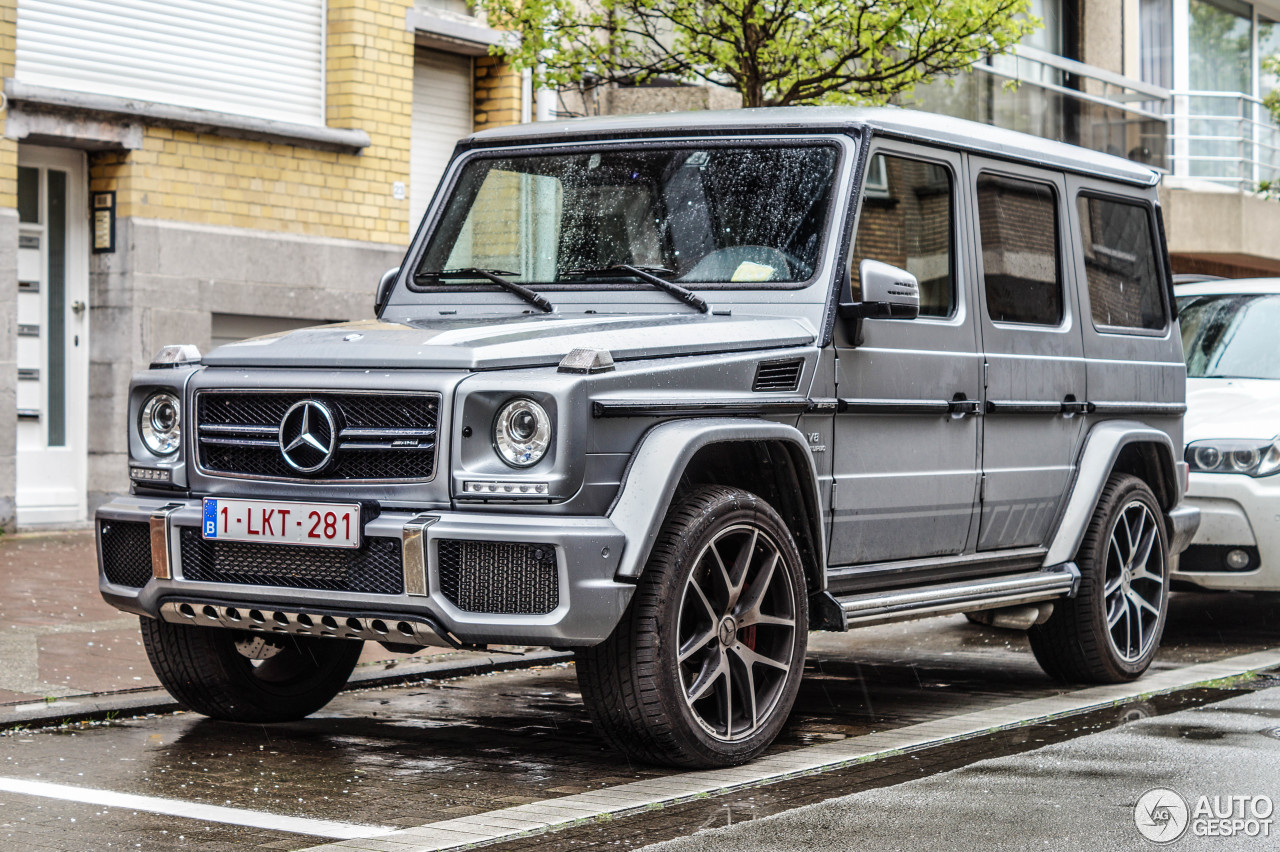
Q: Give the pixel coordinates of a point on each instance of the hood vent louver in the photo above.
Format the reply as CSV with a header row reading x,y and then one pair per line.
x,y
778,375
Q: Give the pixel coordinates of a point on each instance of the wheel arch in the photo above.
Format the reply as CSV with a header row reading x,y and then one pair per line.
x,y
1114,446
678,454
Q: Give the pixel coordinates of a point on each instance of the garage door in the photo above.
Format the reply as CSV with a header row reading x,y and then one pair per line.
x,y
442,114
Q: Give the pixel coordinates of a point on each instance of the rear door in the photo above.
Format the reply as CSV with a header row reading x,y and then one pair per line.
x,y
1135,366
1035,373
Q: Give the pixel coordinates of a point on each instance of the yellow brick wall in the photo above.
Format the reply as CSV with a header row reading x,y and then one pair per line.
x,y
211,179
499,94
8,147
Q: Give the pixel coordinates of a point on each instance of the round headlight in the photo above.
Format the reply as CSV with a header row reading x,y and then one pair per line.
x,y
1207,458
160,424
1243,461
521,433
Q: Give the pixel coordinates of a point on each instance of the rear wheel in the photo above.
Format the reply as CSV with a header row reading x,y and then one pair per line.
x,y
705,664
1109,632
240,676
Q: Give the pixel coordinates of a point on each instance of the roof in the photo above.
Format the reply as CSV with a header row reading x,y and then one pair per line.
x,y
889,121
1228,286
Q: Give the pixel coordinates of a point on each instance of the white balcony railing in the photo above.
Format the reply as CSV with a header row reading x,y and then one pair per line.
x,y
1227,138
1057,98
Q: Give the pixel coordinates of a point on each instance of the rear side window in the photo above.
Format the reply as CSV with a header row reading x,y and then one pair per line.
x,y
906,222
1018,220
1120,264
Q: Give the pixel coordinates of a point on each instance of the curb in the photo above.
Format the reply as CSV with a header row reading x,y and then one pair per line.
x,y
142,702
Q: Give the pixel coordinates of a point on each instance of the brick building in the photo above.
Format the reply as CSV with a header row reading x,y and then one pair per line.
x,y
180,171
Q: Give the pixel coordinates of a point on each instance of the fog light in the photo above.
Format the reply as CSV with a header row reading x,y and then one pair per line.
x,y
1237,559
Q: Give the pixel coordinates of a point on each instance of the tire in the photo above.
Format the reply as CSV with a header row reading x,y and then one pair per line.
x,y
206,669
1109,632
671,685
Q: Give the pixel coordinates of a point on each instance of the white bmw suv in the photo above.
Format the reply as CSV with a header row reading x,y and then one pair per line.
x,y
1231,337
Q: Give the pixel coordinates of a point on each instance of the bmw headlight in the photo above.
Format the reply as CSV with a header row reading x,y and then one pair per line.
x,y
160,423
521,432
1250,458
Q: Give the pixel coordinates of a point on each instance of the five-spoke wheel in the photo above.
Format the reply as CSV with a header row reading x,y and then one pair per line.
x,y
1110,630
736,632
704,666
1135,582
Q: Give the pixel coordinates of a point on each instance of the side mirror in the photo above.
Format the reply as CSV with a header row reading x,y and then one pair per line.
x,y
887,293
384,290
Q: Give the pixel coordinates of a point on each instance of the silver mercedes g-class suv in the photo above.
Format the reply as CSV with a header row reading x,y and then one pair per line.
x,y
672,392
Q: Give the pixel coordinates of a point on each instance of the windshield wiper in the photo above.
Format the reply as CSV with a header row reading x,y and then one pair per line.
x,y
646,274
493,275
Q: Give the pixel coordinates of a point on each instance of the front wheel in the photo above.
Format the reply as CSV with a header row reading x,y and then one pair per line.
x,y
1109,632
705,664
240,676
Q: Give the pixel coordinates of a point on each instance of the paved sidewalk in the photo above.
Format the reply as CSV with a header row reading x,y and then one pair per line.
x,y
1208,775
59,640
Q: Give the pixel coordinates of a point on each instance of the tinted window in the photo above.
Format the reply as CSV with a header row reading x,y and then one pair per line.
x,y
906,222
1019,224
729,215
1232,336
1120,264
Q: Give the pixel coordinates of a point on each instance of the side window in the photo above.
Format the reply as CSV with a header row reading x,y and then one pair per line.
x,y
906,222
1018,220
1120,264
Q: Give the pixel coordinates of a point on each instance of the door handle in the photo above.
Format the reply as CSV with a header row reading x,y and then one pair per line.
x,y
77,307
960,406
1071,406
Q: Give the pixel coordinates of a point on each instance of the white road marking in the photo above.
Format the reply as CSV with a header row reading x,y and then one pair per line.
x,y
193,810
524,820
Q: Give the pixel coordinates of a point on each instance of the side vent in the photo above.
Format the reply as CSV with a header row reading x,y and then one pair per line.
x,y
778,375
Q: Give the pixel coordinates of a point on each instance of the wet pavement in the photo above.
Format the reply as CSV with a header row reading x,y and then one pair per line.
x,y
59,640
425,752
1203,778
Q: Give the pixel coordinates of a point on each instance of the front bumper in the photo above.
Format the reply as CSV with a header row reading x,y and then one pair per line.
x,y
1237,511
587,551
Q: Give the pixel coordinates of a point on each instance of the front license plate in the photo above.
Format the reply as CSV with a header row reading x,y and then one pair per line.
x,y
278,522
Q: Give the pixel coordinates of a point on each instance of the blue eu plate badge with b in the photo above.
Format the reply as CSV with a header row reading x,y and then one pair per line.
x,y
210,518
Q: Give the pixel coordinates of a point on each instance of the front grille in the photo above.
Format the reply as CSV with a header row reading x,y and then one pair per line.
x,y
778,375
374,567
126,552
380,436
499,577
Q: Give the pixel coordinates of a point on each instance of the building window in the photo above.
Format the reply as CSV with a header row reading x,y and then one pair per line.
x,y
263,59
1221,46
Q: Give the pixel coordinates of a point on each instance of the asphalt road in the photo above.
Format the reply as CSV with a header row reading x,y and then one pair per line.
x,y
399,768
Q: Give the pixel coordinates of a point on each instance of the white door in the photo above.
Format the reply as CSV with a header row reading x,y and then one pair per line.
x,y
53,326
443,112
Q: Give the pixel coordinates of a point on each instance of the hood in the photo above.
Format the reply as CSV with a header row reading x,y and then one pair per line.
x,y
1232,408
482,343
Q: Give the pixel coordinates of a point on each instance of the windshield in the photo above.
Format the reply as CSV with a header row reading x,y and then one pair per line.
x,y
745,215
1232,336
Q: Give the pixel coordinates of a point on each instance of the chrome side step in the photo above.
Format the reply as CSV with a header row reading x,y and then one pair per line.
x,y
405,630
968,596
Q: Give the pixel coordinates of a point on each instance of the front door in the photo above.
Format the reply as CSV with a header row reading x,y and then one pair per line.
x,y
53,347
906,438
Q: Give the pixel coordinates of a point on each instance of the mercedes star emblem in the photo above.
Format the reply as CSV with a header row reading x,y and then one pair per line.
x,y
308,436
